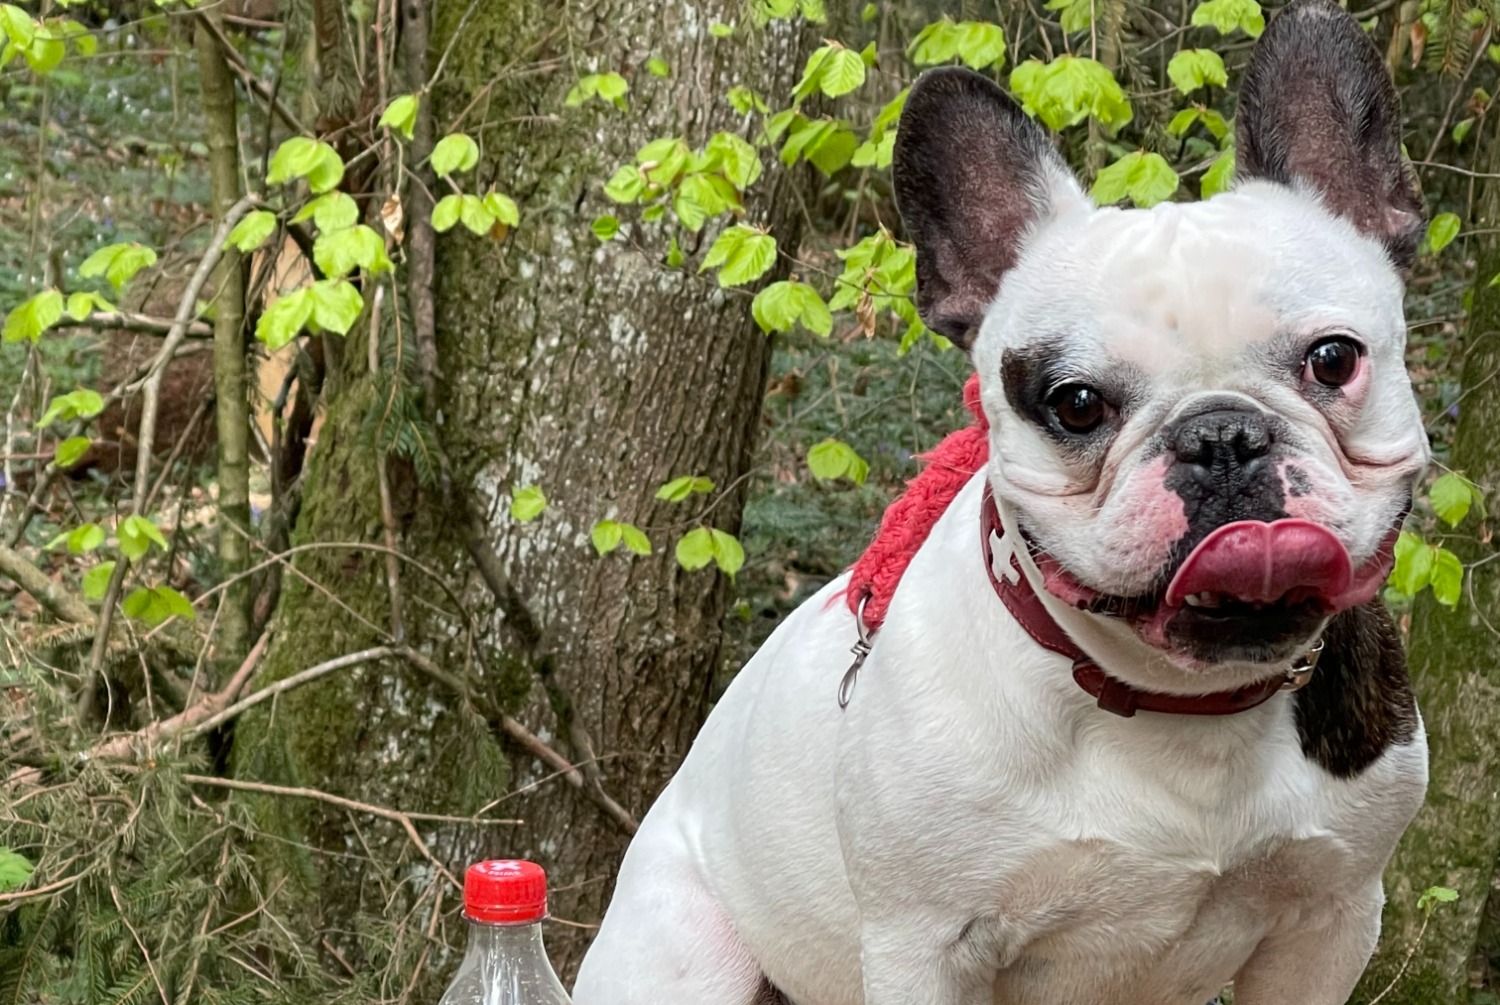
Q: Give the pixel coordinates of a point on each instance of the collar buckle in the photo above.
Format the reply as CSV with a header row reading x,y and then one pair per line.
x,y
1301,671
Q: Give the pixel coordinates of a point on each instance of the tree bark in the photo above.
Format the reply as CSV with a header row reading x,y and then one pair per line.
x,y
586,369
1455,660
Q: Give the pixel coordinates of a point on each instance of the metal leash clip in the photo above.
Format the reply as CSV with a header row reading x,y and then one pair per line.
x,y
860,649
1302,670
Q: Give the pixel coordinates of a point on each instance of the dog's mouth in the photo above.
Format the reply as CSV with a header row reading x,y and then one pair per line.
x,y
1249,591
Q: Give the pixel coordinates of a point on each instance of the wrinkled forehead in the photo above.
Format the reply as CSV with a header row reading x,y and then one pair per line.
x,y
1183,285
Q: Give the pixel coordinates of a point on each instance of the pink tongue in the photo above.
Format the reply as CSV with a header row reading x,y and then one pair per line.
x,y
1263,562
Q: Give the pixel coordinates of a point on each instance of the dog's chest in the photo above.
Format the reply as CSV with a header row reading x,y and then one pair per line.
x,y
1150,927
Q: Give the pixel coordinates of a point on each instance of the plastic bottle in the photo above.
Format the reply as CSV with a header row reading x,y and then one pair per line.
x,y
504,904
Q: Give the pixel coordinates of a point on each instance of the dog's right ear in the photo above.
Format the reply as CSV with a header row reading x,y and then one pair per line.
x,y
973,176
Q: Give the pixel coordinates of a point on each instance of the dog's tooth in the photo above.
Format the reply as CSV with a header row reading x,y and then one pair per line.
x,y
1194,599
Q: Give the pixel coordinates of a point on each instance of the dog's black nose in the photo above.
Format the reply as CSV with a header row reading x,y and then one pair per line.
x,y
1222,438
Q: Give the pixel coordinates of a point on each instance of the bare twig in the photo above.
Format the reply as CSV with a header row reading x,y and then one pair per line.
x,y
370,809
130,321
287,683
253,83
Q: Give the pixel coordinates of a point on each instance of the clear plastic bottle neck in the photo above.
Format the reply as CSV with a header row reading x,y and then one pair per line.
x,y
505,965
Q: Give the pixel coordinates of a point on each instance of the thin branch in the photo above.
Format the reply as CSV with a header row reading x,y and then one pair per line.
x,y
527,740
130,321
370,809
287,683
253,83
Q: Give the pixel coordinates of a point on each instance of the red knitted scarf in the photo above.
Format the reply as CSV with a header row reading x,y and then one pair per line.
x,y
909,519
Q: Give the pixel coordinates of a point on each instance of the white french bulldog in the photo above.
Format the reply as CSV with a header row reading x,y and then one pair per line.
x,y
1203,432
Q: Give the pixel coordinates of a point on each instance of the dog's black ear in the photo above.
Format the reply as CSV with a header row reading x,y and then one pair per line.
x,y
1318,109
973,174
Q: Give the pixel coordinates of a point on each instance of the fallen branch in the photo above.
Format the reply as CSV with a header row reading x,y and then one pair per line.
x,y
47,591
189,721
287,683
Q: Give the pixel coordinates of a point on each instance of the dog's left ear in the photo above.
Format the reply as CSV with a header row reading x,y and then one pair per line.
x,y
973,176
1317,109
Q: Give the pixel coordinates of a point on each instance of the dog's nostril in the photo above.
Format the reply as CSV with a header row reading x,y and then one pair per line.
x,y
1222,437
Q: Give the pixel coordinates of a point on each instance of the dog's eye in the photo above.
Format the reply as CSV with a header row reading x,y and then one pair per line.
x,y
1332,362
1079,408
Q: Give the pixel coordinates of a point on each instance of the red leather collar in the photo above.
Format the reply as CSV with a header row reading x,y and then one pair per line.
x,y
1113,695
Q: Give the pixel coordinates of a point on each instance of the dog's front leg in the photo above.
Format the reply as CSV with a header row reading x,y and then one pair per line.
x,y
1316,961
907,962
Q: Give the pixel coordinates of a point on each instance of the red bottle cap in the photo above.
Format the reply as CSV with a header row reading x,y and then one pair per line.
x,y
506,892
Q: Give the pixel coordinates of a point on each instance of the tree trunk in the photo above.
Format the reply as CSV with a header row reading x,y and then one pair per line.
x,y
588,370
231,389
1455,661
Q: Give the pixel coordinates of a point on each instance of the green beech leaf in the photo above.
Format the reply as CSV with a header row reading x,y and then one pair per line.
x,y
330,211
1076,15
720,30
293,159
339,252
137,534
679,489
153,605
843,71
80,404
252,231
695,549
729,556
978,44
782,305
503,208
736,158
1229,15
745,101
1068,90
625,186
446,213
285,319
1447,577
1145,177
605,227
1452,496
527,503
832,459
635,541
1191,69
657,67
1220,175
606,536
96,581
27,321
455,152
1442,230
742,254
335,305
118,263
70,451
400,115
84,539
83,303
1413,567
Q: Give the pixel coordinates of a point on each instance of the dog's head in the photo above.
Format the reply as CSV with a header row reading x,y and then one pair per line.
x,y
1200,414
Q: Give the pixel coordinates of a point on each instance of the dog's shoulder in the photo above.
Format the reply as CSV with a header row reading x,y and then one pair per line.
x,y
1359,703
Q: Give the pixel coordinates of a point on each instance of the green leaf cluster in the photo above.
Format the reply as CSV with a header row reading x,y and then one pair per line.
x,y
978,45
702,545
607,535
785,304
1420,565
1070,89
304,157
610,87
1144,177
833,458
742,254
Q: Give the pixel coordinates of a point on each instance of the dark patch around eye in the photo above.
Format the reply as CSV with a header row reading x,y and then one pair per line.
x,y
1030,374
